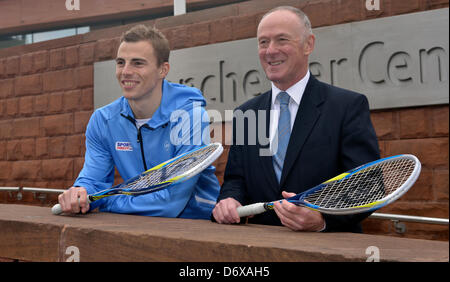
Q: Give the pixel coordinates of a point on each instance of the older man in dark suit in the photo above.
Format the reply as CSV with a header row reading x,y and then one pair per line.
x,y
316,132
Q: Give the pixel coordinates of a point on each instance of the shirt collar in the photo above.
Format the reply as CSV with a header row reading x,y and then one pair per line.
x,y
295,91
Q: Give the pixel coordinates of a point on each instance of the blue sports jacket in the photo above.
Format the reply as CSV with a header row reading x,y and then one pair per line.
x,y
179,125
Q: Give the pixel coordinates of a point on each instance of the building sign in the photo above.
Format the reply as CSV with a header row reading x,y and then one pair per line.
x,y
396,62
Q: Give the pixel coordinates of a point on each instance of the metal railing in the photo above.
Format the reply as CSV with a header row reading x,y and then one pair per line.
x,y
396,218
410,218
399,219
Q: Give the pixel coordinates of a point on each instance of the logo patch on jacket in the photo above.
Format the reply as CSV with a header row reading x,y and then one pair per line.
x,y
124,146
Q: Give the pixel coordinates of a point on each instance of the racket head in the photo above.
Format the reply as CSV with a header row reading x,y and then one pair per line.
x,y
177,169
365,188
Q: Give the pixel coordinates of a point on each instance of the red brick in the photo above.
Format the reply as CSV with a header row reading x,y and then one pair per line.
x,y
432,152
3,150
402,7
71,58
2,68
106,49
5,129
57,169
441,184
28,197
26,127
262,6
83,146
56,146
56,59
178,38
25,169
81,120
40,61
221,30
42,147
87,99
55,102
57,125
422,189
413,230
244,27
6,88
376,226
320,13
77,166
59,80
199,33
440,118
85,76
41,104
2,108
73,146
59,184
86,53
436,4
26,63
20,149
12,66
5,170
29,84
385,124
117,178
71,100
429,209
26,106
348,11
12,107
414,123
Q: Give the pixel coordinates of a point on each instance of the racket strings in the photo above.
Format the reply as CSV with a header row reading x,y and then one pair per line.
x,y
363,187
176,168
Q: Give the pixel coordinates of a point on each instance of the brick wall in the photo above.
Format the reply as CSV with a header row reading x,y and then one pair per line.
x,y
422,131
46,99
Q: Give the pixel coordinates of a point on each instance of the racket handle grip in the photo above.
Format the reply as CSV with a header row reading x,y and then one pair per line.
x,y
56,209
252,209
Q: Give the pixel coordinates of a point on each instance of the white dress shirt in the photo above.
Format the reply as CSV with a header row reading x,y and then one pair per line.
x,y
296,93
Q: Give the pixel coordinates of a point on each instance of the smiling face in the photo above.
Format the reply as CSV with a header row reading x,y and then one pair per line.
x,y
138,72
284,47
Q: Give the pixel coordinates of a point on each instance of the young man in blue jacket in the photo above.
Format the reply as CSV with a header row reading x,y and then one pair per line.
x,y
140,130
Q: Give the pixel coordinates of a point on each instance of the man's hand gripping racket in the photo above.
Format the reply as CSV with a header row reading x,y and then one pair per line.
x,y
175,170
362,189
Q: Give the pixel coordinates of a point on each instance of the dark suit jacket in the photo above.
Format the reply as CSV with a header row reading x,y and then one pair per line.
x,y
332,133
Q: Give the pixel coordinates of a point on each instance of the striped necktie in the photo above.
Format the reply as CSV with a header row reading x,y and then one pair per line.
x,y
284,132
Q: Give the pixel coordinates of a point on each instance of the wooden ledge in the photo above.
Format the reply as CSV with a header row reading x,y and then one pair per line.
x,y
32,233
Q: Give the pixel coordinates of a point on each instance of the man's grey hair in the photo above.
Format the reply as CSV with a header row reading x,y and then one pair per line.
x,y
300,14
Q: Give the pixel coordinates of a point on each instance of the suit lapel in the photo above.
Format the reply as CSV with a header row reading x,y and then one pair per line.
x,y
307,116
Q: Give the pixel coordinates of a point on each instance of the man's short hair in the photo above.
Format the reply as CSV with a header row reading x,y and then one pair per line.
x,y
154,36
300,14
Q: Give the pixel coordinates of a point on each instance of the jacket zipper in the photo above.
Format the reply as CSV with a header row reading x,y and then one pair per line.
x,y
141,143
139,138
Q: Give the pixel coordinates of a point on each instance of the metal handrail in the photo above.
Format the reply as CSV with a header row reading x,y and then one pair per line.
x,y
393,217
409,218
42,190
10,189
